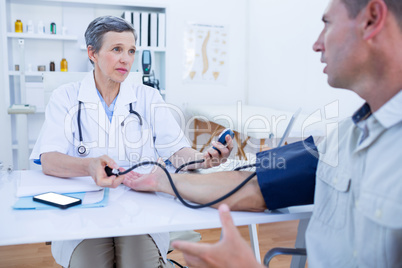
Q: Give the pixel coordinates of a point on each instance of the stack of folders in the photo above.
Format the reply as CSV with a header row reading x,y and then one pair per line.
x,y
150,27
33,182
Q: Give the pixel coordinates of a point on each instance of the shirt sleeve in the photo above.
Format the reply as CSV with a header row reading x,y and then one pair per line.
x,y
286,175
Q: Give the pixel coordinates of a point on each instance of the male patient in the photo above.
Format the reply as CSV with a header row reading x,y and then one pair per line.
x,y
357,217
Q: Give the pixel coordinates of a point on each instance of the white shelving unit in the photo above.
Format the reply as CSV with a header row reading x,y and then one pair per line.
x,y
18,73
43,36
40,49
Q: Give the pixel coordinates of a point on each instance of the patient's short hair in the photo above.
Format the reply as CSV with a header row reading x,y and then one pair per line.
x,y
355,6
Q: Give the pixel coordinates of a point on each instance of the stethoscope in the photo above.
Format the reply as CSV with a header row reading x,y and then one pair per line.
x,y
82,149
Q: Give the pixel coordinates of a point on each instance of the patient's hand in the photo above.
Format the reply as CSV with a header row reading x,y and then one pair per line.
x,y
155,181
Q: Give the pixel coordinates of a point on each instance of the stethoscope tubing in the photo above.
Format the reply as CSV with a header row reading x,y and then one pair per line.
x,y
176,192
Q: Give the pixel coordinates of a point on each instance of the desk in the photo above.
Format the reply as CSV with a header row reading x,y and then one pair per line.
x,y
261,123
128,213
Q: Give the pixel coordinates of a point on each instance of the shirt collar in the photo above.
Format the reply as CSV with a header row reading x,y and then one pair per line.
x,y
362,114
390,113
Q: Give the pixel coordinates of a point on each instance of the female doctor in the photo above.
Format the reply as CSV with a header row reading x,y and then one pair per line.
x,y
106,119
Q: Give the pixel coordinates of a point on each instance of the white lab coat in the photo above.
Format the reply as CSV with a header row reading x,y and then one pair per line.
x,y
161,135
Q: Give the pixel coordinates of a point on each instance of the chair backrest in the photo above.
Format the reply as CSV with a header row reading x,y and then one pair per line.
x,y
289,127
52,80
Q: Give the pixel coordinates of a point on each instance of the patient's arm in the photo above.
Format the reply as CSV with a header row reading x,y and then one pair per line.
x,y
204,188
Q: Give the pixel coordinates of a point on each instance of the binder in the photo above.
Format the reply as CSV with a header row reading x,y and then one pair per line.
x,y
153,29
127,15
144,29
161,30
137,26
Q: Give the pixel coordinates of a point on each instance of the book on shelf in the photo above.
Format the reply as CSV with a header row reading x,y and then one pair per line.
x,y
137,26
150,27
128,16
144,29
153,30
161,30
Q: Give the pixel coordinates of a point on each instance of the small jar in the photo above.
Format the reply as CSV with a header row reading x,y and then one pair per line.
x,y
63,65
53,28
52,66
30,27
41,27
18,26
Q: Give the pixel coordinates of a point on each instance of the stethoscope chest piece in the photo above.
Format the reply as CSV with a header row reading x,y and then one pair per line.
x,y
82,150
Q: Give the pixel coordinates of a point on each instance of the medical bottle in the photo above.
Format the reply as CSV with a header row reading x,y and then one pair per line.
x,y
30,27
18,26
52,66
53,28
41,27
63,65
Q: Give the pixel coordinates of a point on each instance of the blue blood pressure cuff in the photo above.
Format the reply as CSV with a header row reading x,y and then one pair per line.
x,y
286,175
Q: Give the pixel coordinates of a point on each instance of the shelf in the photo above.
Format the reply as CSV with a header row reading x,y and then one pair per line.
x,y
43,36
17,73
154,49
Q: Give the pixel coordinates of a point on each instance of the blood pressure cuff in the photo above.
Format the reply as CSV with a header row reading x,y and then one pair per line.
x,y
286,175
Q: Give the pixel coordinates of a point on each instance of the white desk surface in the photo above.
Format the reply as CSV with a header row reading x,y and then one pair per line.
x,y
128,213
258,122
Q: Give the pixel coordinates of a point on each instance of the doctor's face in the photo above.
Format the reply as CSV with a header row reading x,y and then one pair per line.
x,y
115,57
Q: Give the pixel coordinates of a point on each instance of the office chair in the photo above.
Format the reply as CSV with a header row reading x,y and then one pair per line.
x,y
283,251
298,252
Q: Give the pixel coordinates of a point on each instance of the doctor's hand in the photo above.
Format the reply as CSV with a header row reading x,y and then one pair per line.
x,y
214,157
96,170
231,251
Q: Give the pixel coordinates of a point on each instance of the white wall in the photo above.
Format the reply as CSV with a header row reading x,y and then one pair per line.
x,y
223,12
284,71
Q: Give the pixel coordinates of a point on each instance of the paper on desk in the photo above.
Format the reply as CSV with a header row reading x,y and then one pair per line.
x,y
89,200
34,182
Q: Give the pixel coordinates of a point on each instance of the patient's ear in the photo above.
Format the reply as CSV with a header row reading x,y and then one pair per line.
x,y
373,18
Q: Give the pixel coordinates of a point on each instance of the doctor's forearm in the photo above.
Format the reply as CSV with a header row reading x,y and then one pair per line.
x,y
62,165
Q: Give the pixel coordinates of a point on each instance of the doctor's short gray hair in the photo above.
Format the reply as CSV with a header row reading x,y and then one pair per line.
x,y
101,25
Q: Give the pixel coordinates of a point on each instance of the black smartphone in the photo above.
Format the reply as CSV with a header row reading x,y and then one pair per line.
x,y
57,200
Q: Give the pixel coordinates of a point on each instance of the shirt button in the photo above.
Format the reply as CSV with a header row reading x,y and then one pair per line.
x,y
378,213
357,203
335,180
355,253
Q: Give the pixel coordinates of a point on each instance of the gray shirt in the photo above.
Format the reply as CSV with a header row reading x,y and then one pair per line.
x,y
357,217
